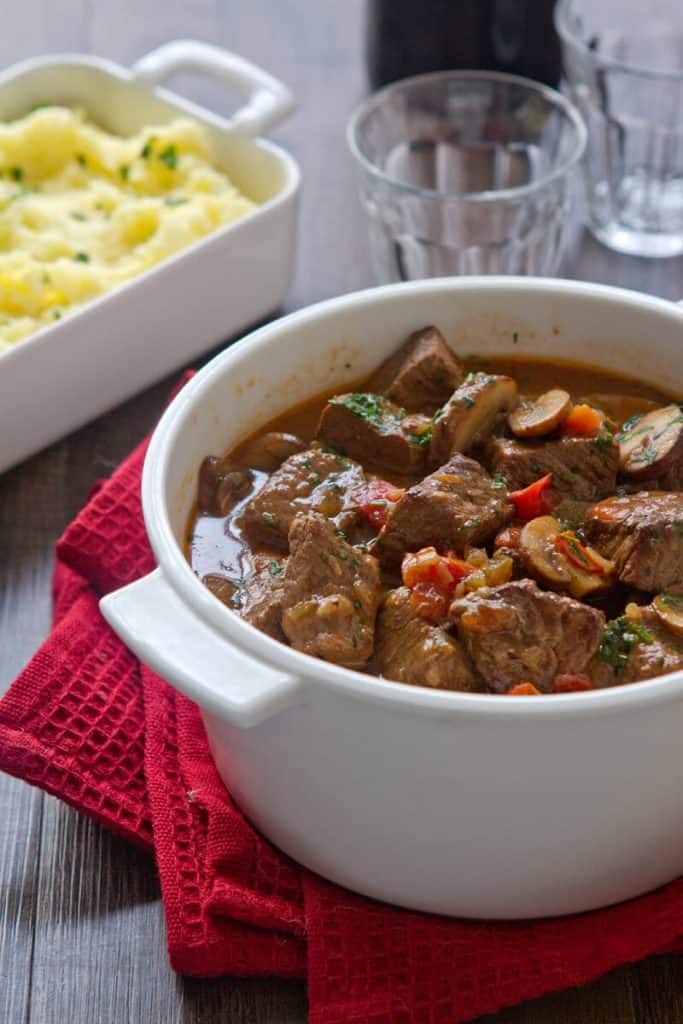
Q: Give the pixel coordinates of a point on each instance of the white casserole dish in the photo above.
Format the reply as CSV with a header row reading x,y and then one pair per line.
x,y
473,805
69,372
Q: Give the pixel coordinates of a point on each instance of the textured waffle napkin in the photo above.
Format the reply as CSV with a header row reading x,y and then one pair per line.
x,y
86,722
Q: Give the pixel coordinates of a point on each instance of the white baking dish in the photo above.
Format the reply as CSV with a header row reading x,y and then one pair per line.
x,y
71,371
475,805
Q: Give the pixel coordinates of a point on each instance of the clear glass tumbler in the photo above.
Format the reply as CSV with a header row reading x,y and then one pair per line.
x,y
623,64
467,172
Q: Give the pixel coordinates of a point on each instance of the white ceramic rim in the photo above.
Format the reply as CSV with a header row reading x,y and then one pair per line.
x,y
290,188
177,571
485,196
570,38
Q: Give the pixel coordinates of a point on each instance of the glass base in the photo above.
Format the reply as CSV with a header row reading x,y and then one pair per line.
x,y
638,243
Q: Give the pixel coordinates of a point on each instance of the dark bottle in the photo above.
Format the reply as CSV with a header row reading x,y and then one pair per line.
x,y
411,37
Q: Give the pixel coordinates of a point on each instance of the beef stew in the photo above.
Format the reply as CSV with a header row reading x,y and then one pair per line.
x,y
505,525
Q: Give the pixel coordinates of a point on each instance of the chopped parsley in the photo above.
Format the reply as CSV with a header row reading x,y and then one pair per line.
x,y
498,481
670,600
618,640
372,409
16,173
275,568
82,159
424,438
78,215
124,171
515,337
82,257
465,402
146,150
175,201
269,519
169,157
56,315
604,440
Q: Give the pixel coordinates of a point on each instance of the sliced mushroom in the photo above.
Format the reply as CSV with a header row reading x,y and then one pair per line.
x,y
550,565
620,408
221,485
270,450
470,414
669,608
535,417
222,588
650,445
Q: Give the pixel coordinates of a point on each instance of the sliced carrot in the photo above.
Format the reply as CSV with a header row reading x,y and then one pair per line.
x,y
574,551
523,690
583,421
534,500
572,683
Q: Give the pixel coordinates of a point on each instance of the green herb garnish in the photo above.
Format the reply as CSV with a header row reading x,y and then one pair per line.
x,y
146,150
78,215
618,640
275,568
82,257
124,171
372,409
175,201
16,173
82,159
604,441
269,519
169,157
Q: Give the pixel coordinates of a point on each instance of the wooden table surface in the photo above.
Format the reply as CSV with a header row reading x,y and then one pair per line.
x,y
81,924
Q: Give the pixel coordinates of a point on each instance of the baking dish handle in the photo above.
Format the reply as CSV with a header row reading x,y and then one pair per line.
x,y
165,634
268,100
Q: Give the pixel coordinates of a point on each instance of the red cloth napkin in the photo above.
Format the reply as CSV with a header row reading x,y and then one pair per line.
x,y
86,722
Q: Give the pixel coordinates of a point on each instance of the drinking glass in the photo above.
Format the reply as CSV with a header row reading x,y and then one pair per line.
x,y
467,172
623,63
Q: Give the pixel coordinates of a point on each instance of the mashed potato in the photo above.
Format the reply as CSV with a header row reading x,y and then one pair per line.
x,y
82,211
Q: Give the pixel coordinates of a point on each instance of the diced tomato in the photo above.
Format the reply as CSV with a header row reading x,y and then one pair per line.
x,y
428,566
574,551
432,578
429,602
508,538
534,500
583,421
375,501
523,690
568,683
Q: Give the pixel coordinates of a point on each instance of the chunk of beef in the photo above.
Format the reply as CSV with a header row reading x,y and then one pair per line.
x,y
421,375
372,429
517,633
636,646
411,650
258,597
643,534
583,468
222,485
331,594
313,480
482,401
457,505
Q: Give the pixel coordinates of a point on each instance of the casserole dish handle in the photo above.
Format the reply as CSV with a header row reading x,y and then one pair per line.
x,y
166,635
268,100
